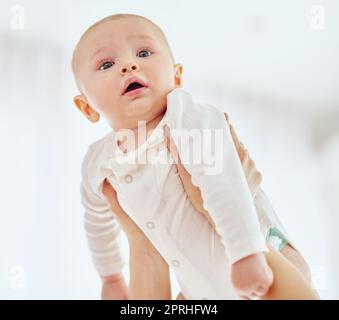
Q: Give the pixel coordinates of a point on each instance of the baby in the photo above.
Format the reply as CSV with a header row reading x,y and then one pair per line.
x,y
124,68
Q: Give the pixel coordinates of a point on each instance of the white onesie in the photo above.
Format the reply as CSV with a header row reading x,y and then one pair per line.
x,y
153,196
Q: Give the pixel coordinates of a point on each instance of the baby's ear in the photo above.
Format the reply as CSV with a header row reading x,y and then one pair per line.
x,y
178,74
81,103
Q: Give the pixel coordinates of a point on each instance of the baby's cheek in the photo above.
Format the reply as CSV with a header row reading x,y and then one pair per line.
x,y
103,99
163,77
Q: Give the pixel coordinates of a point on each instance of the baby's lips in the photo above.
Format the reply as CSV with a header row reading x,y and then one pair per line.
x,y
131,80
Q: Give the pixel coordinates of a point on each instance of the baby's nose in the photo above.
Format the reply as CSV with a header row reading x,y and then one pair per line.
x,y
129,67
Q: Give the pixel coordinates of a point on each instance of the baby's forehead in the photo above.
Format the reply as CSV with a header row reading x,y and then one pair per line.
x,y
116,31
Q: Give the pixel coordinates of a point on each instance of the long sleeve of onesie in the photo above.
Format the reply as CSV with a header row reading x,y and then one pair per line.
x,y
102,228
201,129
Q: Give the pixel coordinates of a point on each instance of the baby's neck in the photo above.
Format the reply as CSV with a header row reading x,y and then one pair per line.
x,y
150,125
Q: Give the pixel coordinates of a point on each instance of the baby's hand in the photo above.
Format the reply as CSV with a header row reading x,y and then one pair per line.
x,y
114,288
251,276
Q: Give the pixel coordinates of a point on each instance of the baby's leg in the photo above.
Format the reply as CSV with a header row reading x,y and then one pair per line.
x,y
298,261
285,248
292,278
279,241
289,283
276,235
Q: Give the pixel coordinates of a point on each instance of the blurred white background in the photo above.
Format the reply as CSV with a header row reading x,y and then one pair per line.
x,y
272,65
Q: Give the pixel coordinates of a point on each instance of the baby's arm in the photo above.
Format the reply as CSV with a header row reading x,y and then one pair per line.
x,y
252,175
104,218
224,189
102,231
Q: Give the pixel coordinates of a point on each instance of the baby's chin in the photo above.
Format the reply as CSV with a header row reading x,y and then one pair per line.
x,y
144,108
139,107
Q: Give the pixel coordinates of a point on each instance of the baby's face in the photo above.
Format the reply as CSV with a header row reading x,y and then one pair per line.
x,y
112,53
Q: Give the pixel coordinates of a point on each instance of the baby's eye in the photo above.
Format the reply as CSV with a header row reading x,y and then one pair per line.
x,y
144,53
106,65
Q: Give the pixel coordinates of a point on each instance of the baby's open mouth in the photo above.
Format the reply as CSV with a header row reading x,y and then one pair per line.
x,y
133,86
